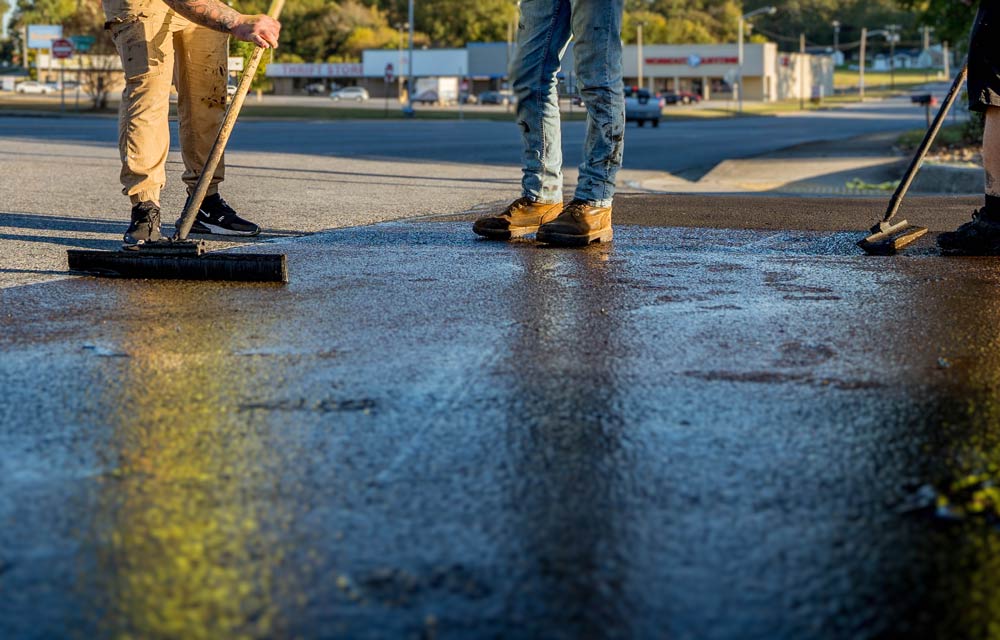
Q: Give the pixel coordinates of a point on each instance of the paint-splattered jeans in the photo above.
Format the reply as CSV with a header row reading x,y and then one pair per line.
x,y
543,35
158,48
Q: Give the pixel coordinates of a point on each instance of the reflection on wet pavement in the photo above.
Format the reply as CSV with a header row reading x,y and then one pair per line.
x,y
689,433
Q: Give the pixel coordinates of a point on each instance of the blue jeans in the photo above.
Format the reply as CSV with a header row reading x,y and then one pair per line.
x,y
542,38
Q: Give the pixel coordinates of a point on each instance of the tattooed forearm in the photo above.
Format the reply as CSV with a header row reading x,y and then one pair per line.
x,y
208,13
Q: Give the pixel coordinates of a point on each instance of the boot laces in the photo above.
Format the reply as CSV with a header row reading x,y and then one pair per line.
x,y
575,208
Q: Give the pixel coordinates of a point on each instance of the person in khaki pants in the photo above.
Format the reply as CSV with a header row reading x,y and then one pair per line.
x,y
184,42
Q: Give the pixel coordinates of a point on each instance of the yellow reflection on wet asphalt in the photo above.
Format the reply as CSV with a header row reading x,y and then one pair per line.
x,y
193,545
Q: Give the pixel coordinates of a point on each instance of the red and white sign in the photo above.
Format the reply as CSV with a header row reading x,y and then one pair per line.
x,y
388,72
693,61
314,70
61,49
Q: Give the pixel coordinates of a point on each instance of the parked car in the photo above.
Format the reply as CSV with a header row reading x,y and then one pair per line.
x,y
641,107
425,97
357,94
231,90
468,98
688,97
497,97
33,86
315,89
680,97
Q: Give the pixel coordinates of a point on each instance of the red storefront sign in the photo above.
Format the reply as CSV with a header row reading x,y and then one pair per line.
x,y
687,61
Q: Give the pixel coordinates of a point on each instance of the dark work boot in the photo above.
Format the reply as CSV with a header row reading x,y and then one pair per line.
x,y
577,226
521,218
980,237
145,226
216,217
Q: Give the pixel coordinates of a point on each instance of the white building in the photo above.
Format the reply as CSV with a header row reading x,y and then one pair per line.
x,y
713,70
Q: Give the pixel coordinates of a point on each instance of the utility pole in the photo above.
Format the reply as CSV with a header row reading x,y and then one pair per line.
x,y
927,52
861,64
802,71
836,40
892,37
409,67
399,62
739,50
739,65
638,48
24,47
947,60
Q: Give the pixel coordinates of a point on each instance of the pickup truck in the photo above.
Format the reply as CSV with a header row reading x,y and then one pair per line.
x,y
641,106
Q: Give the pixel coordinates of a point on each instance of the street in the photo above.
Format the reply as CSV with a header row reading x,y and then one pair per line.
x,y
301,177
729,423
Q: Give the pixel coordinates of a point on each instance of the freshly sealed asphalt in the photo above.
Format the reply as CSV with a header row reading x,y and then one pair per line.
x,y
690,433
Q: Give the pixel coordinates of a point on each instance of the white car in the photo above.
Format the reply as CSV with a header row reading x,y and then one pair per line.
x,y
32,86
358,94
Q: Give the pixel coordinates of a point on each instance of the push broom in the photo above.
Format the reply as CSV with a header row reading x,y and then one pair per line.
x,y
178,257
885,237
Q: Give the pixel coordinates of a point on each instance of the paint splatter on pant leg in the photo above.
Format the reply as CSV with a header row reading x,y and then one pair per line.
x,y
598,55
202,76
140,33
543,34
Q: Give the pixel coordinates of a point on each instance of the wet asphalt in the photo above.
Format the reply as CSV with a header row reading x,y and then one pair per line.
x,y
690,433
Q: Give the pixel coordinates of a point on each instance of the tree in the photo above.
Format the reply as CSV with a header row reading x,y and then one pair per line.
x,y
453,23
814,18
951,19
329,31
100,65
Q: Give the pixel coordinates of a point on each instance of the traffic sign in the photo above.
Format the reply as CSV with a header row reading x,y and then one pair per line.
x,y
388,72
82,43
61,48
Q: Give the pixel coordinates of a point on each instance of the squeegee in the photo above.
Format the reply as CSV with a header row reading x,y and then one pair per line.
x,y
886,238
178,257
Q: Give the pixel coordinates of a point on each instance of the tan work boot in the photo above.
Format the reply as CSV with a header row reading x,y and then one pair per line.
x,y
577,226
521,218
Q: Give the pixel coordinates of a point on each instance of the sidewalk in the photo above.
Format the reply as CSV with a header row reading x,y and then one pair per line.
x,y
825,168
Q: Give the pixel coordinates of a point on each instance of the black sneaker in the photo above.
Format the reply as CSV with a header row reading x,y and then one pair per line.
x,y
980,237
145,225
216,217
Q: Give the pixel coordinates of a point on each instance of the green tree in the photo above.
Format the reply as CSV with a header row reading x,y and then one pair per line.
x,y
814,18
453,23
951,19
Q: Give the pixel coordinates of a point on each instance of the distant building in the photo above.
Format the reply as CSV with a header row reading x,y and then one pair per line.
x,y
710,71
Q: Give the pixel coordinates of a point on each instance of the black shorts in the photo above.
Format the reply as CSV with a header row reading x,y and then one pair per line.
x,y
984,58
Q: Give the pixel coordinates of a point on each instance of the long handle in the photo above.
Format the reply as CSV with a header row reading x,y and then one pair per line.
x,y
918,158
233,112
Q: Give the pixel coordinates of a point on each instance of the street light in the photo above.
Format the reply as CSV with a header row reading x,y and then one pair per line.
x,y
769,11
400,26
893,37
638,49
408,109
864,47
836,39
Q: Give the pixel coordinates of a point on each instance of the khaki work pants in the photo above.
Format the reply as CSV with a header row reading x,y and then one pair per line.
x,y
159,47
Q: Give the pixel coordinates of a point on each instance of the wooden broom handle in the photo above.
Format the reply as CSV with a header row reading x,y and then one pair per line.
x,y
233,112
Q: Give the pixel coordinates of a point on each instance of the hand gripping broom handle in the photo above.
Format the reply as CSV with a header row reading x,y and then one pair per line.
x,y
233,112
918,158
